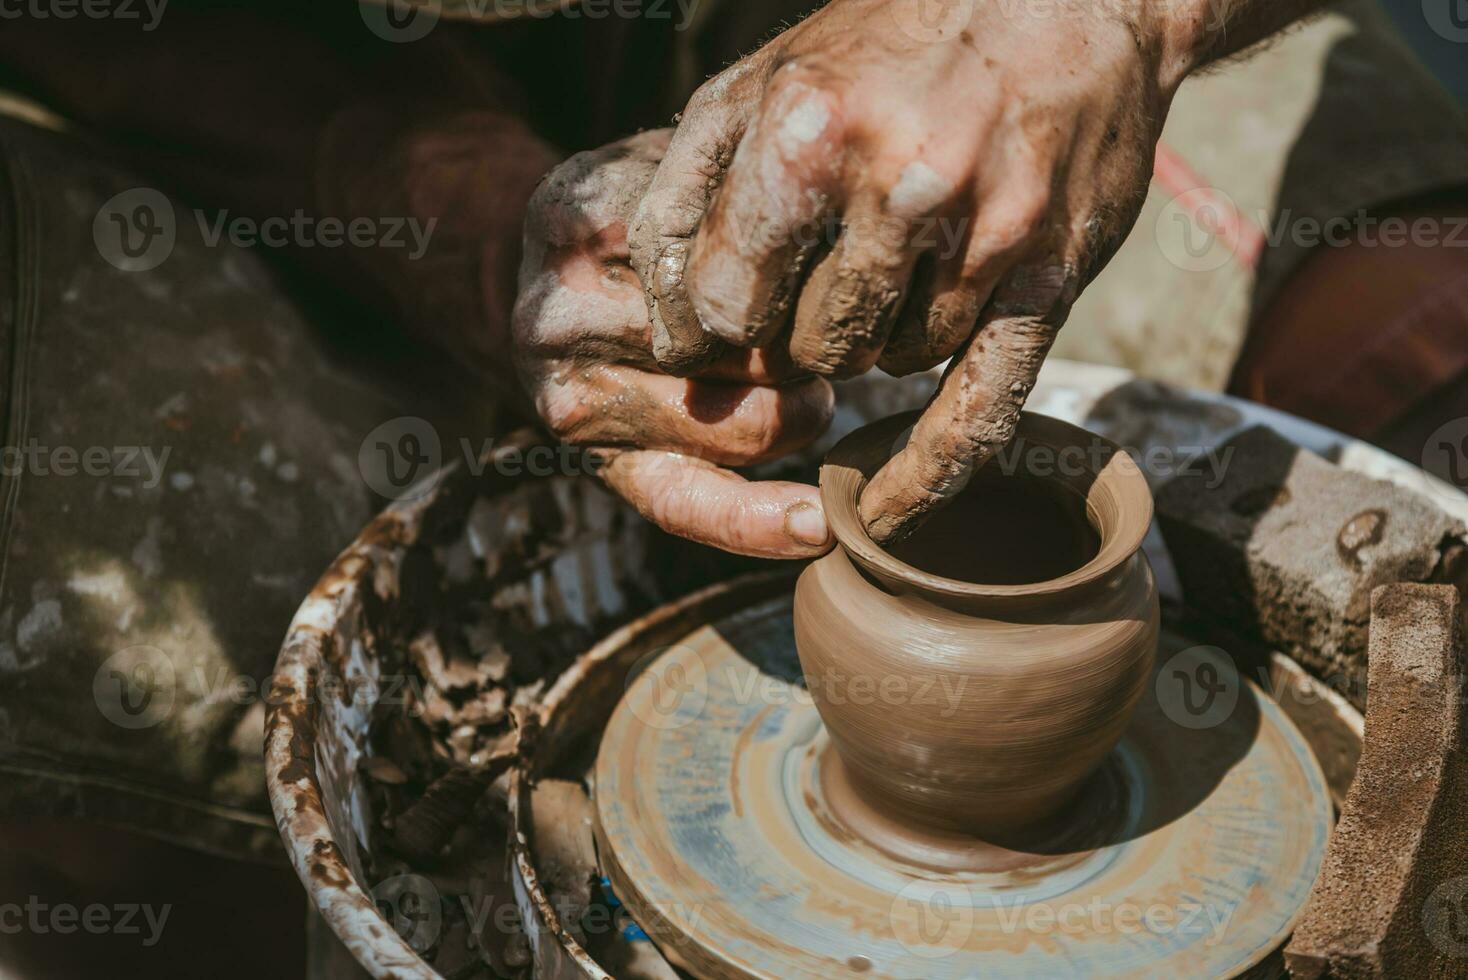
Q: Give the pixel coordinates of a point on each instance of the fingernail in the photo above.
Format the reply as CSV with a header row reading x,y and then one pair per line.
x,y
807,524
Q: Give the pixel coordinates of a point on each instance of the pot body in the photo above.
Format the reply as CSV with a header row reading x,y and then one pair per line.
x,y
984,722
973,709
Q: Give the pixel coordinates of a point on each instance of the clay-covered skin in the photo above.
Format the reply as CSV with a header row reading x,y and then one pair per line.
x,y
1047,673
583,349
953,225
897,182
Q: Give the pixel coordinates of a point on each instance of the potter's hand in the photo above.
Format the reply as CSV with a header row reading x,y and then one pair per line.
x,y
583,347
981,162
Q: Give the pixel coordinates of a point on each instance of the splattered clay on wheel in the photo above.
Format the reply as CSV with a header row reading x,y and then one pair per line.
x,y
723,824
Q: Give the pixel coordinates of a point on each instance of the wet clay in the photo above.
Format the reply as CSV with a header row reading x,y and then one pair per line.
x,y
1050,846
727,825
980,705
1004,530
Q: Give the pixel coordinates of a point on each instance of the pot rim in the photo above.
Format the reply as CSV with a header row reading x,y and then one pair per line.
x,y
855,459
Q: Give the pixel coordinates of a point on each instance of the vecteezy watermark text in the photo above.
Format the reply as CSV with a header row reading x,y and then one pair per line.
x,y
934,919
1202,229
402,458
35,458
62,918
1159,462
416,910
301,230
404,21
1202,686
138,687
1365,229
1100,917
676,683
136,230
149,12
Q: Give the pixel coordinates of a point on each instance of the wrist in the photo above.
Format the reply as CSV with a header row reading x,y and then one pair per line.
x,y
1194,33
1184,31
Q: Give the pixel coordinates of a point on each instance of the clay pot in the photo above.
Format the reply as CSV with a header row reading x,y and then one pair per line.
x,y
976,706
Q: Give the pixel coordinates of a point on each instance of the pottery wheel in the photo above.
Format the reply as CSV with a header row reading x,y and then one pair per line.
x,y
1190,854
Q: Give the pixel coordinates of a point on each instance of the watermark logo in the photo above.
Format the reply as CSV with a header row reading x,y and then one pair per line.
x,y
1199,687
401,21
139,687
135,688
932,919
1447,18
401,458
1445,916
1445,454
1192,230
397,458
411,905
135,231
1201,230
679,688
933,21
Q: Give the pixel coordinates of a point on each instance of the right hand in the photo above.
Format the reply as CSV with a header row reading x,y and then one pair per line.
x,y
863,194
583,350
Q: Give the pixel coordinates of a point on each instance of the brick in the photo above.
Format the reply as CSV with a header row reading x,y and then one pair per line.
x,y
1390,897
1287,548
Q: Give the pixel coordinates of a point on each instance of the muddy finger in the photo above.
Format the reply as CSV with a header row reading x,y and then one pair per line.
x,y
850,303
769,215
977,406
731,424
702,502
673,208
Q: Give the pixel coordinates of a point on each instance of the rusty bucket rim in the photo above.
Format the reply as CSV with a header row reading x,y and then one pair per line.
x,y
291,775
753,585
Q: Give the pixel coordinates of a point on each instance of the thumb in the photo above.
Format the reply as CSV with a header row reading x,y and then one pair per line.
x,y
714,506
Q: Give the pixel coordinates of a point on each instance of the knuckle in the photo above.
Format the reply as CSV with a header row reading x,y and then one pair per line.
x,y
562,406
936,470
1024,331
534,326
1034,296
1017,218
901,363
804,87
819,358
764,433
712,93
673,502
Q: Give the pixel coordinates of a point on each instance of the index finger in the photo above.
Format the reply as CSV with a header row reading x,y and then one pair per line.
x,y
661,234
976,409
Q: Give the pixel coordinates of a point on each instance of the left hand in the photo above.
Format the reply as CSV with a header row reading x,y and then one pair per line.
x,y
583,348
979,179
